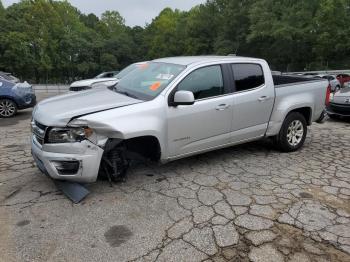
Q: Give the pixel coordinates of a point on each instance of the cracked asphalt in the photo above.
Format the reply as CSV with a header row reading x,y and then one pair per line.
x,y
244,203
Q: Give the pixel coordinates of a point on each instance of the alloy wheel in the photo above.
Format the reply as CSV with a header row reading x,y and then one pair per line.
x,y
7,108
295,132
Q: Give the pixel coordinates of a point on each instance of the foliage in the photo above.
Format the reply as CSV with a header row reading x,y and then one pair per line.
x,y
2,9
50,40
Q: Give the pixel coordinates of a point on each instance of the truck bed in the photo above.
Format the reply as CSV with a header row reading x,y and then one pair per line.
x,y
283,80
296,92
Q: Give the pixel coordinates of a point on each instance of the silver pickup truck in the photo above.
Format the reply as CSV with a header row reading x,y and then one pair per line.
x,y
169,109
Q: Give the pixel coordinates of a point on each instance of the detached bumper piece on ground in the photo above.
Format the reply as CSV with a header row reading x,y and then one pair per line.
x,y
74,191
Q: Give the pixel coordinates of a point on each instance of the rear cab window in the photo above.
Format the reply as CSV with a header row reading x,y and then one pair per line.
x,y
247,76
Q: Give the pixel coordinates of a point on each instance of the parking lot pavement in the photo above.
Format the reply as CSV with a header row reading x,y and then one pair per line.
x,y
238,204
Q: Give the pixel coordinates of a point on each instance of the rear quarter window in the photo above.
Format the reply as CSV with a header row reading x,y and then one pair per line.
x,y
247,76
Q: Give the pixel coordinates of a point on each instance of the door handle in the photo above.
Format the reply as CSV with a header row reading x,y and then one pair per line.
x,y
263,98
222,107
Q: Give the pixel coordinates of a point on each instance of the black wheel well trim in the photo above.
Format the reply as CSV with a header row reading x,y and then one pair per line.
x,y
147,146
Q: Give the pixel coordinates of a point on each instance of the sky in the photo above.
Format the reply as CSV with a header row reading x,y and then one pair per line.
x,y
135,12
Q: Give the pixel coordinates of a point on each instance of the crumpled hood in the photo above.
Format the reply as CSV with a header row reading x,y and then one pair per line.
x,y
89,82
341,96
59,110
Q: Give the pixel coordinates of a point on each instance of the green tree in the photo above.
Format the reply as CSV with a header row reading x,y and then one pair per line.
x,y
163,36
284,32
332,33
90,20
108,62
202,29
50,40
112,23
2,9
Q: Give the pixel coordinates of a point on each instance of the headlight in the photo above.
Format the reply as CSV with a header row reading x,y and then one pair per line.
x,y
68,135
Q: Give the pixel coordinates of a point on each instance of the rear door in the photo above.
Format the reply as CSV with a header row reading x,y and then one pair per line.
x,y
253,101
207,123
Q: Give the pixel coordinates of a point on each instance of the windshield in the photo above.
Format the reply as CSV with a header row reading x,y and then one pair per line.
x,y
147,80
127,70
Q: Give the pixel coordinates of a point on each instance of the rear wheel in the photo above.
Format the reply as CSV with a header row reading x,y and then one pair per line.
x,y
293,133
8,108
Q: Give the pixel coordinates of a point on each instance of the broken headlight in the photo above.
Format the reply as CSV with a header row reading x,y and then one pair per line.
x,y
59,135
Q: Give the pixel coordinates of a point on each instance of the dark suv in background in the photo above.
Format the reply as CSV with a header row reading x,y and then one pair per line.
x,y
14,97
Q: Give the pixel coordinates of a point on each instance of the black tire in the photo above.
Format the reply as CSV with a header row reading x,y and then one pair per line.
x,y
8,108
285,140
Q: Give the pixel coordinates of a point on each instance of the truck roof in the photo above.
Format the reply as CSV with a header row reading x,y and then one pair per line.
x,y
188,60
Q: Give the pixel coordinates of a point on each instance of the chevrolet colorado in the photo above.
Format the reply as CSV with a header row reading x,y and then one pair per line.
x,y
169,109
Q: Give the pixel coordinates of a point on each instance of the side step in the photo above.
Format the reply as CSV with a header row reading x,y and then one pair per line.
x,y
74,191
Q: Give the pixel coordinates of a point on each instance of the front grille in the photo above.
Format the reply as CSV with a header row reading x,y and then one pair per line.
x,y
39,131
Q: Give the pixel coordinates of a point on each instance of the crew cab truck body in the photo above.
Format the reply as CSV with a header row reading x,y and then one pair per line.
x,y
169,109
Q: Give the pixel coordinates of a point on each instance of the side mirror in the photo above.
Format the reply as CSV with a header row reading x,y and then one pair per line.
x,y
183,98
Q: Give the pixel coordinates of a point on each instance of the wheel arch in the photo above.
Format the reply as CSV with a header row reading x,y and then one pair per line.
x,y
305,111
9,98
147,146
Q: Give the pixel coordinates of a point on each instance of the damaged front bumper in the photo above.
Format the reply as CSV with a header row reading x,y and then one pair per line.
x,y
74,162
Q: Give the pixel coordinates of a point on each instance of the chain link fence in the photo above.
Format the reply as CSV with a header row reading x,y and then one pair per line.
x,y
58,89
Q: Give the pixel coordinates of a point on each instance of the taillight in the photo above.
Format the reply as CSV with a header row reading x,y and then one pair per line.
x,y
328,95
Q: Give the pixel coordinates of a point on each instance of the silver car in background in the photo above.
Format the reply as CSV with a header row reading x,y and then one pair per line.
x,y
339,105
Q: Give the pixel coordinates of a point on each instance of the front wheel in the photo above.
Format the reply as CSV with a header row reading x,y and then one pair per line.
x,y
293,133
8,108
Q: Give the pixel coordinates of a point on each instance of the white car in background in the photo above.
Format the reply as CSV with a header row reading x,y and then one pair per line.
x,y
333,81
104,81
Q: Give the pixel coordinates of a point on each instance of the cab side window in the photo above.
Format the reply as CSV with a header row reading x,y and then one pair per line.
x,y
204,82
247,76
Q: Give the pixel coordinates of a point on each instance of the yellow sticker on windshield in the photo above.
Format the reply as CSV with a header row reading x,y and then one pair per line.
x,y
155,86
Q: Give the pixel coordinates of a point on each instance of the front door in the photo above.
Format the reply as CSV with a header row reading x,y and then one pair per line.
x,y
205,124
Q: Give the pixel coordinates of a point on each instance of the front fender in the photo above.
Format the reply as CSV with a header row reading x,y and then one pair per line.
x,y
143,119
